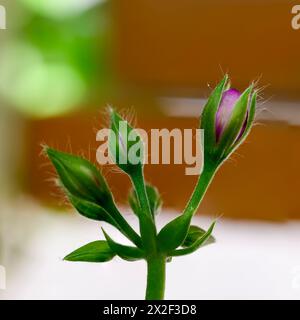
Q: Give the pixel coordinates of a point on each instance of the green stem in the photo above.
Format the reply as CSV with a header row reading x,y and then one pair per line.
x,y
203,183
140,188
126,229
147,224
156,268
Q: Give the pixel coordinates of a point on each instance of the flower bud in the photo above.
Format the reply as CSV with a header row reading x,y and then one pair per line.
x,y
125,144
80,178
154,198
229,99
227,119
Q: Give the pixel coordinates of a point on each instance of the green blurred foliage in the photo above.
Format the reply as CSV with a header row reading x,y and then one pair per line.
x,y
55,59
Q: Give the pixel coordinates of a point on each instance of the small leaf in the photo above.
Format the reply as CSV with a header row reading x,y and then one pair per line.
x,y
155,201
173,234
194,234
200,242
125,252
97,251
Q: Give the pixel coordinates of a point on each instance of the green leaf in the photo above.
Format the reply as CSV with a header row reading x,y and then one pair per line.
x,y
155,201
200,242
125,252
194,234
173,234
97,251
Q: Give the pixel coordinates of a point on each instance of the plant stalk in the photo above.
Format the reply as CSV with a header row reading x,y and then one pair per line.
x,y
200,189
147,224
156,277
126,229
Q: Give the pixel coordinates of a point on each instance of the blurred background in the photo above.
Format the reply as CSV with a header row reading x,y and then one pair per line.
x,y
63,62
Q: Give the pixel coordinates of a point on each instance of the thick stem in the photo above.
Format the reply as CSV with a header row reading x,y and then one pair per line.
x,y
203,183
147,224
156,276
140,188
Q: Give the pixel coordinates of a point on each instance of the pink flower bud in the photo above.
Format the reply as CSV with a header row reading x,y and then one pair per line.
x,y
225,109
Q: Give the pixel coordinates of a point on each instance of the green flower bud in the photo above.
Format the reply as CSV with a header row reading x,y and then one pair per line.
x,y
80,178
125,144
154,198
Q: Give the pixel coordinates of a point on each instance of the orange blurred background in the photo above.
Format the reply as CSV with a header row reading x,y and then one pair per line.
x,y
163,58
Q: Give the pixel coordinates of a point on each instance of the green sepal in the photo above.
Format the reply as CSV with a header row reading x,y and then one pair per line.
x,y
235,124
97,251
208,117
200,242
251,116
173,234
128,253
122,138
91,210
154,198
194,234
